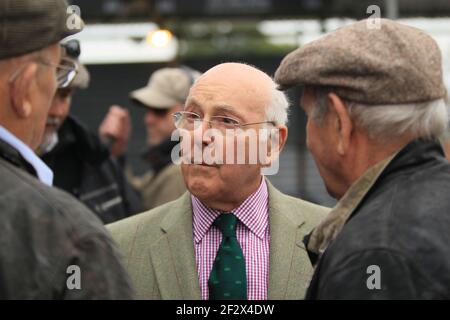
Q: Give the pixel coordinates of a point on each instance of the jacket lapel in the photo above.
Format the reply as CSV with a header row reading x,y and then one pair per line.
x,y
290,269
173,256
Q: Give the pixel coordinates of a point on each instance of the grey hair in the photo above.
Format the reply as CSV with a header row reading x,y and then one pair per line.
x,y
278,107
446,135
384,122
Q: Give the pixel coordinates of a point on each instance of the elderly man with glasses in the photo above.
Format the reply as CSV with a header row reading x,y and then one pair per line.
x,y
53,247
232,235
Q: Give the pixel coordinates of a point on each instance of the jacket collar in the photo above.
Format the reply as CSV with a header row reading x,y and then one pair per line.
x,y
158,157
329,228
73,134
19,154
173,256
414,153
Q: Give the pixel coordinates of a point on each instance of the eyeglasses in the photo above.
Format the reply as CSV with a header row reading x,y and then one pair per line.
x,y
190,121
65,72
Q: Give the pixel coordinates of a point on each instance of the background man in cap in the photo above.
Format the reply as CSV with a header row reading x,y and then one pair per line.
x,y
233,235
46,235
165,94
374,100
81,163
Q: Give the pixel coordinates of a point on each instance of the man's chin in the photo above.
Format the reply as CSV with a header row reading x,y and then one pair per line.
x,y
200,187
203,194
333,193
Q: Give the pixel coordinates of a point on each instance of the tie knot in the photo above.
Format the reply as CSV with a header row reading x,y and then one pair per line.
x,y
226,223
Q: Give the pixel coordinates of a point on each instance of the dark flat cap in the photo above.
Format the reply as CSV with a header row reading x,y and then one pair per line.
x,y
31,25
394,64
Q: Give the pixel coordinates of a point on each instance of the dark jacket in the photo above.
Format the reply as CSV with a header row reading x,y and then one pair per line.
x,y
45,231
83,167
400,233
164,182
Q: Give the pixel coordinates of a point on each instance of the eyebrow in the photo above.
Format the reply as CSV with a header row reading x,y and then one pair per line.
x,y
224,107
192,102
219,107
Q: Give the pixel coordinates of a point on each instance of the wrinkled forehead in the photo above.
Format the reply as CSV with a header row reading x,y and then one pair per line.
x,y
239,90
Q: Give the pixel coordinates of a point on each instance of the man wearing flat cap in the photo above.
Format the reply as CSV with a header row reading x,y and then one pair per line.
x,y
53,247
375,105
165,93
82,164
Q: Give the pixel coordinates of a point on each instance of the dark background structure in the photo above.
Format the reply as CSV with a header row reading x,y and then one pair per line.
x,y
112,83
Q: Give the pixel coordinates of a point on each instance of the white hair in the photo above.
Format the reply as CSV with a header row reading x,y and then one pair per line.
x,y
422,120
385,122
277,109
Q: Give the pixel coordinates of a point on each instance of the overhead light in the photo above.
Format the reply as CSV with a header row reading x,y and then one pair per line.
x,y
159,38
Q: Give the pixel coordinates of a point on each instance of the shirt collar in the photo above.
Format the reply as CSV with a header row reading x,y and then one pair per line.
x,y
253,213
44,173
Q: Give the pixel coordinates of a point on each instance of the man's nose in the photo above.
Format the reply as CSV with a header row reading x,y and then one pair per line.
x,y
202,132
150,117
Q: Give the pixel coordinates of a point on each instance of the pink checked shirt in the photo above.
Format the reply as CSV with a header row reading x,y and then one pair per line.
x,y
252,234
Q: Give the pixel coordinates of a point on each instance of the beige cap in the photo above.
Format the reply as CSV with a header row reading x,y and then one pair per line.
x,y
167,87
395,64
82,78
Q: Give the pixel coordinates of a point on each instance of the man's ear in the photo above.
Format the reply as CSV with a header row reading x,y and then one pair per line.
x,y
275,143
20,90
344,125
283,135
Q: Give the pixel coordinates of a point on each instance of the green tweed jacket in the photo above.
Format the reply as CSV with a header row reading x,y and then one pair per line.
x,y
158,248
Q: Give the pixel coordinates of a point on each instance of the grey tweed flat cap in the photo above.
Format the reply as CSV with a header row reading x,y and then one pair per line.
x,y
394,64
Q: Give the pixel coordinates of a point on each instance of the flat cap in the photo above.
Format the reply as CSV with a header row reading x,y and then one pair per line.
x,y
166,88
394,64
83,77
71,53
31,25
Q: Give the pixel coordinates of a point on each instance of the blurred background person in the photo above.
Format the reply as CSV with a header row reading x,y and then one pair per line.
x,y
165,93
81,163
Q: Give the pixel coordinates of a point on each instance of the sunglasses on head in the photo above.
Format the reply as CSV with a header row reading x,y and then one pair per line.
x,y
158,112
72,48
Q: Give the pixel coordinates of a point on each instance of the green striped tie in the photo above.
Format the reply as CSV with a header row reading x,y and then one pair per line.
x,y
228,280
